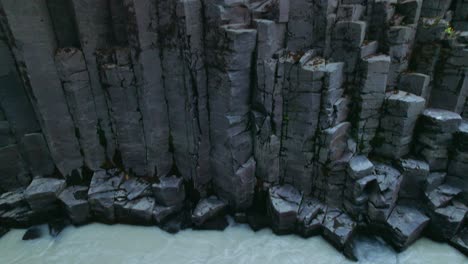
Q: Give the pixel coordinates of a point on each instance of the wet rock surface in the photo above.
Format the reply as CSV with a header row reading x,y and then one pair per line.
x,y
309,117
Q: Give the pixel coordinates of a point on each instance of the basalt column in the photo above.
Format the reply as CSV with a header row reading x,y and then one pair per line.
x,y
146,58
229,71
34,45
180,22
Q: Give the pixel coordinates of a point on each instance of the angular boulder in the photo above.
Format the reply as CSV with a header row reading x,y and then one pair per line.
x,y
283,207
75,200
42,193
404,226
206,209
338,228
169,191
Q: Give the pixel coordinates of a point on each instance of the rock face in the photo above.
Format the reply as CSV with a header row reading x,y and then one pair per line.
x,y
311,117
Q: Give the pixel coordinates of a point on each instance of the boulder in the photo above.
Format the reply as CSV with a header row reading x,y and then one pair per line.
x,y
283,207
102,193
162,213
442,196
177,222
434,180
75,200
135,188
206,209
338,228
414,174
218,223
447,221
13,199
359,166
460,241
440,120
169,191
42,193
404,226
310,217
32,233
138,211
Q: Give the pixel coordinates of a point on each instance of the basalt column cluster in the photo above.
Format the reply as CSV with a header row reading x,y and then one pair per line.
x,y
311,117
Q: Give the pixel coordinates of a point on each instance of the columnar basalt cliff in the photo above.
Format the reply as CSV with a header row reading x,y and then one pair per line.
x,y
327,117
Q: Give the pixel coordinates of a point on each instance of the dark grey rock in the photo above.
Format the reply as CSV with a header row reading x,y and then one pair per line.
x,y
415,173
33,233
138,211
169,191
460,241
75,200
404,226
42,193
283,207
359,167
135,188
206,209
442,195
434,180
310,217
338,228
162,213
447,221
56,226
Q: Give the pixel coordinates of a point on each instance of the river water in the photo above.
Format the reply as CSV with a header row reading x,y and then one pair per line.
x,y
102,244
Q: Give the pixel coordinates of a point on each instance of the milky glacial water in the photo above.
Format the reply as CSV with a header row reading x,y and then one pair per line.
x,y
102,244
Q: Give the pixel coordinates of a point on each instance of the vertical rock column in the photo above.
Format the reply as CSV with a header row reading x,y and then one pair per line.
x,y
181,25
301,110
450,88
397,123
229,87
368,99
18,124
347,39
36,57
119,81
458,166
435,133
300,32
77,87
267,102
146,58
95,32
331,144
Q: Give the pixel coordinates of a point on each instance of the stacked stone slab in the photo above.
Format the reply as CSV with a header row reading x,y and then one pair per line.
x,y
267,102
146,61
359,181
119,80
434,137
229,87
40,76
368,99
397,123
383,197
300,25
73,73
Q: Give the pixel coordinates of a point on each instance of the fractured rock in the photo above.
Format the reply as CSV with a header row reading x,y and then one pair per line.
x,y
283,207
75,199
206,209
42,194
169,191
